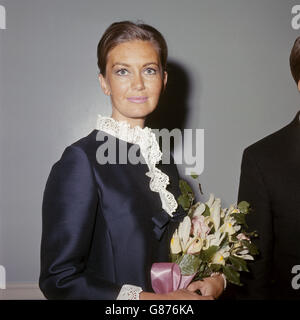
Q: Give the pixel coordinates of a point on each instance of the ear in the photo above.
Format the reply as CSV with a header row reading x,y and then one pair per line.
x,y
165,79
104,85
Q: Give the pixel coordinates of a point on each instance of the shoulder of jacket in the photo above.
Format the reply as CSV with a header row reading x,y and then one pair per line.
x,y
269,143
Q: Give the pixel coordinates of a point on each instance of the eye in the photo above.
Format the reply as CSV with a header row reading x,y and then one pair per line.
x,y
150,71
122,72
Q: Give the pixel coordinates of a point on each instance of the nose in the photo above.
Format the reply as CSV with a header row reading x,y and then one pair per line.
x,y
138,82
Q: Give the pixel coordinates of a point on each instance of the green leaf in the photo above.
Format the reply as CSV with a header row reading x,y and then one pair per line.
x,y
187,196
185,187
179,258
206,255
212,226
189,264
225,241
252,234
232,275
206,212
238,263
203,271
215,267
251,247
239,218
194,175
243,206
192,210
203,267
174,257
234,238
184,201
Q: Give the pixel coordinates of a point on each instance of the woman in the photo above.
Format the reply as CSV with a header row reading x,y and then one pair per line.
x,y
104,225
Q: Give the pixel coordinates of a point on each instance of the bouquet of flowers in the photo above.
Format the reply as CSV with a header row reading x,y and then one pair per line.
x,y
211,239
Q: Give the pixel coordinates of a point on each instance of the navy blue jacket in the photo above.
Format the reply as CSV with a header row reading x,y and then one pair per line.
x,y
102,226
270,182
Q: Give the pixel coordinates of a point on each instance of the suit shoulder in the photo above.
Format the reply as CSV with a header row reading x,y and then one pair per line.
x,y
78,154
269,144
84,147
87,142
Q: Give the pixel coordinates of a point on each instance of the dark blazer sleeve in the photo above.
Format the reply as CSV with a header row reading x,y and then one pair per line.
x,y
68,217
252,189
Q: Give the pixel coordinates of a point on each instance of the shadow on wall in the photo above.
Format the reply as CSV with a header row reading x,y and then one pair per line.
x,y
172,108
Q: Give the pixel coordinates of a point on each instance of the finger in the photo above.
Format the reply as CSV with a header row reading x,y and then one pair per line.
x,y
204,291
206,298
195,285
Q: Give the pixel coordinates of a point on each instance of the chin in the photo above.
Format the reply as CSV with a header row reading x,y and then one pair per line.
x,y
140,113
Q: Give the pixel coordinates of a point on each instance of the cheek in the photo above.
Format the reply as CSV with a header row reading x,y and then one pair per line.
x,y
118,87
155,86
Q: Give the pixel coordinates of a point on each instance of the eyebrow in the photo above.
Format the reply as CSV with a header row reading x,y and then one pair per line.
x,y
127,65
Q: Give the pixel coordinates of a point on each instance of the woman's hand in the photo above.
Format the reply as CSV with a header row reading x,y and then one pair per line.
x,y
181,294
211,286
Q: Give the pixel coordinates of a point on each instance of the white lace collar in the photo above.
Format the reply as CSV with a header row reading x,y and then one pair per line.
x,y
150,150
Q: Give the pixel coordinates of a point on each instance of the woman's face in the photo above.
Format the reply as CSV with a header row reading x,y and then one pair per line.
x,y
133,80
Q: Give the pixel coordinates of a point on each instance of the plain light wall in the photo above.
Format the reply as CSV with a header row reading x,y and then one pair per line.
x,y
235,54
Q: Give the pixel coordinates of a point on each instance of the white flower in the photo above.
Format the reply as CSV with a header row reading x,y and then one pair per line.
x,y
215,213
236,228
214,239
244,256
210,200
199,210
200,226
241,251
221,255
215,210
184,230
195,246
247,257
229,225
233,209
175,243
223,212
242,236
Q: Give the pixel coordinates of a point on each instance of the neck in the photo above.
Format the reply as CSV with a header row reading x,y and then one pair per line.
x,y
133,122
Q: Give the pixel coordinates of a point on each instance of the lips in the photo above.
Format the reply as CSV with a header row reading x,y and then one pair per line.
x,y
137,99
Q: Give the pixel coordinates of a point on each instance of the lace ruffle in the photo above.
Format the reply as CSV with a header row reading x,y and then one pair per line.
x,y
129,292
150,150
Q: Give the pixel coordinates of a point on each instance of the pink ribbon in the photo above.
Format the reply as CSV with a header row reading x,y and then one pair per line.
x,y
166,277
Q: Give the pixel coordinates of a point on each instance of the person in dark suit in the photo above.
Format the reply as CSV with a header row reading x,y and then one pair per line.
x,y
105,224
270,182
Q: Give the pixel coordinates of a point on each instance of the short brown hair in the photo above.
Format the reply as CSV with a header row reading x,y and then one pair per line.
x,y
123,31
295,60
